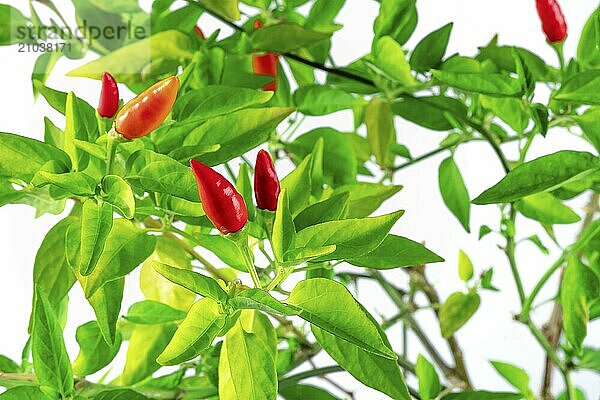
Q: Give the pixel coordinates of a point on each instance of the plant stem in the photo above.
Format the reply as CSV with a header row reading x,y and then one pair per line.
x,y
455,348
153,224
111,149
395,296
293,379
529,301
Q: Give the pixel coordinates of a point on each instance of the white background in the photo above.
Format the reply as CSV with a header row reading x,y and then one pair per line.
x,y
491,334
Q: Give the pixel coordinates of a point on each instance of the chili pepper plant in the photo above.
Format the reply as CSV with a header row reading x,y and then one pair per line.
x,y
249,268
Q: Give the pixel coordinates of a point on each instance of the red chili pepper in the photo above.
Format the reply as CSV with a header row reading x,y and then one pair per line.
x,y
199,32
109,96
266,183
265,64
148,110
221,202
553,20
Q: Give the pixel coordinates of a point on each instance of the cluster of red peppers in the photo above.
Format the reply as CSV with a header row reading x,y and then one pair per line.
x,y
553,20
224,205
265,64
144,113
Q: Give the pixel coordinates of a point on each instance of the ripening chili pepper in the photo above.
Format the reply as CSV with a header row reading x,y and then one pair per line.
x,y
266,183
199,32
109,96
221,202
148,110
265,64
553,20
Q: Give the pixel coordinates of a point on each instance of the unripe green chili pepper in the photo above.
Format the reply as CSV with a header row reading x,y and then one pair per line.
x,y
266,183
109,96
553,20
148,110
265,64
221,202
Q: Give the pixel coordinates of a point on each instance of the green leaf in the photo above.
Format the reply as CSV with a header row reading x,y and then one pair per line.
x,y
169,46
155,172
301,392
397,18
454,192
375,371
215,100
340,165
125,248
244,186
390,58
323,13
51,271
428,53
583,87
50,359
149,312
106,303
588,49
394,252
431,111
225,249
483,395
542,174
22,157
284,232
365,197
331,209
515,376
226,8
76,183
296,185
589,359
156,287
193,281
322,100
330,306
94,352
579,287
380,129
490,84
465,266
352,237
146,343
508,109
247,365
235,133
43,67
589,122
8,366
547,209
256,299
10,21
117,192
96,223
196,333
24,392
456,311
429,381
285,37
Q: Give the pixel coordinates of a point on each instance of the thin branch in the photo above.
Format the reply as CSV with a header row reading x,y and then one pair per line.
x,y
334,71
455,349
293,379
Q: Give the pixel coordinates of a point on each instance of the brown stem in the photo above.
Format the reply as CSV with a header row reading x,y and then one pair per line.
x,y
553,328
434,298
